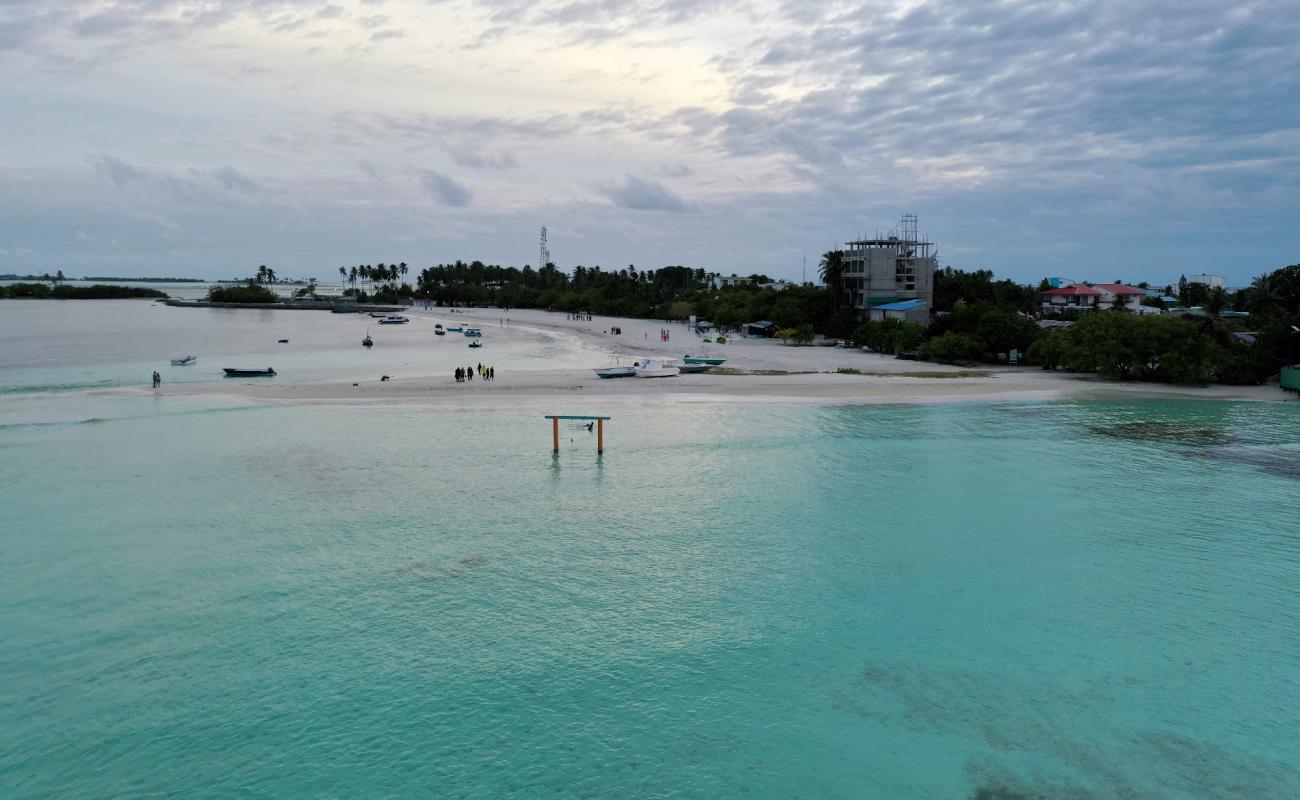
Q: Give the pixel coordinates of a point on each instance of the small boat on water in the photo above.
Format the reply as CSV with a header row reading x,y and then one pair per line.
x,y
248,373
437,329
655,368
710,360
184,361
394,319
283,341
475,343
454,329
367,342
473,332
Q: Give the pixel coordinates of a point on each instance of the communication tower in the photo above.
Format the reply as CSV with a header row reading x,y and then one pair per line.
x,y
543,252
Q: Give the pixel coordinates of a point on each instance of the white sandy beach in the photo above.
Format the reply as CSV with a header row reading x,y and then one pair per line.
x,y
756,371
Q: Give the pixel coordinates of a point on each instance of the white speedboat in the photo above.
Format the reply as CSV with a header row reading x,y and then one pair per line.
x,y
184,361
472,332
655,368
394,319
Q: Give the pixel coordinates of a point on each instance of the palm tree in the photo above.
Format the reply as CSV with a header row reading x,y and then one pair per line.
x,y
261,274
352,278
343,274
1264,295
402,268
270,275
832,267
59,277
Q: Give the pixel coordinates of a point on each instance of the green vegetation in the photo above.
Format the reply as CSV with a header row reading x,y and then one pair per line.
x,y
848,371
145,280
99,291
251,292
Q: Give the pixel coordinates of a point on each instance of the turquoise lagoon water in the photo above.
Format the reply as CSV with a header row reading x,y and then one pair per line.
x,y
1076,600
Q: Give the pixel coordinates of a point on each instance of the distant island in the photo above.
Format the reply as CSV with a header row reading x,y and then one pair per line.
x,y
41,291
143,280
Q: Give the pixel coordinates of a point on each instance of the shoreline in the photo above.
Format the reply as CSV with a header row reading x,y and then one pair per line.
x,y
574,388
547,357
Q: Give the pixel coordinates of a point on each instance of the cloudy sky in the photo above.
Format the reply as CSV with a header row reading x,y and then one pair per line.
x,y
1101,140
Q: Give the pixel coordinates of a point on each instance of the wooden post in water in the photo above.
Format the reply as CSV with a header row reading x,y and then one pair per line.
x,y
555,430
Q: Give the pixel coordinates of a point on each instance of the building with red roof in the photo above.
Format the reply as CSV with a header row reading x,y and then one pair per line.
x,y
1081,296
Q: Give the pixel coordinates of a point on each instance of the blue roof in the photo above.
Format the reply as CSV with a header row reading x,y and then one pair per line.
x,y
902,305
1169,299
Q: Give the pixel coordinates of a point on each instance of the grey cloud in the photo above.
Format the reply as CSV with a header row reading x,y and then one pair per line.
x,y
464,157
678,170
330,11
195,185
379,36
443,188
643,195
229,178
115,169
374,20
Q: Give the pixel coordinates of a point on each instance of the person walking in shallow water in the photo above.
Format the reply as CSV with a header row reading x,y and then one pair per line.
x,y
157,379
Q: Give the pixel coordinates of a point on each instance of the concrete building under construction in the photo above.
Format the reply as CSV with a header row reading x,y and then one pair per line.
x,y
890,277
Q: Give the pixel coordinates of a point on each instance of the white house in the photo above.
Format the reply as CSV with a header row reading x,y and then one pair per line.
x,y
1080,296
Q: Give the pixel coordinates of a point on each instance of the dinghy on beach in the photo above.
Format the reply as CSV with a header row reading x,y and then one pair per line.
x,y
248,373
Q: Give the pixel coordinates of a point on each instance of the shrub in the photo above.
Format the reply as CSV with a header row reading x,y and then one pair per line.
x,y
38,290
251,293
952,348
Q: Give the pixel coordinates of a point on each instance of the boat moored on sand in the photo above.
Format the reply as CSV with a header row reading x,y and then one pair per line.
x,y
473,332
248,373
712,361
614,372
437,329
655,368
394,319
475,343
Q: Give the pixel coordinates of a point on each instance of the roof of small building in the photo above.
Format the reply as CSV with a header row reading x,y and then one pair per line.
x,y
762,323
1120,288
901,305
1073,290
1167,299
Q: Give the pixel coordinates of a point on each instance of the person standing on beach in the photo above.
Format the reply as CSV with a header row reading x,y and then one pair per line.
x,y
157,379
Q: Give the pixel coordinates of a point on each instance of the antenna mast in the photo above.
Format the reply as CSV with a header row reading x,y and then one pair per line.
x,y
543,252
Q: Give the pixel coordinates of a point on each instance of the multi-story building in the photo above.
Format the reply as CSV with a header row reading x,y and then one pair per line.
x,y
1211,281
890,272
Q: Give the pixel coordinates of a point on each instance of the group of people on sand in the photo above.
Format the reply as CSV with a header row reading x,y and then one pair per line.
x,y
663,334
579,317
615,330
157,379
467,373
